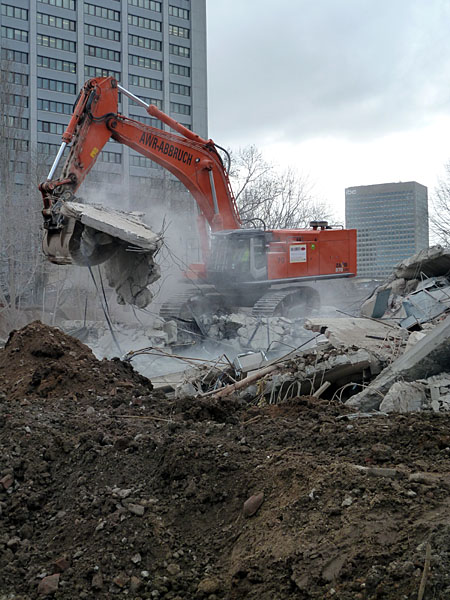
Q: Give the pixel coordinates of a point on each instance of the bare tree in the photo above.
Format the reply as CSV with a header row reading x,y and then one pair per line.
x,y
440,214
282,199
20,256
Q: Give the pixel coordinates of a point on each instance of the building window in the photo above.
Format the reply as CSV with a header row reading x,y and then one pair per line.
x,y
15,12
182,90
148,4
17,145
110,157
140,161
180,70
154,101
146,82
58,43
103,13
18,166
14,56
179,50
179,31
181,13
145,62
11,33
56,64
56,86
147,121
16,122
46,149
59,22
16,100
53,106
104,53
142,42
70,4
144,23
99,72
16,78
182,109
49,127
102,32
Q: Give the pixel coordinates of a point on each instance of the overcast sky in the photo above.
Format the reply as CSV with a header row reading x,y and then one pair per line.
x,y
349,92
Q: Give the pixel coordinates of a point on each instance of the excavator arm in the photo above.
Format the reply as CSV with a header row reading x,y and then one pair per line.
x,y
192,159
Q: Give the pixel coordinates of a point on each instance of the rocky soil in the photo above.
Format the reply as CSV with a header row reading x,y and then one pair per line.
x,y
110,489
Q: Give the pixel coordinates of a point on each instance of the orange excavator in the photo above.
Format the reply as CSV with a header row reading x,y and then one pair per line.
x,y
263,268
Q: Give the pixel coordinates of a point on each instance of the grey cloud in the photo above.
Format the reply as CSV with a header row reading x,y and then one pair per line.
x,y
290,70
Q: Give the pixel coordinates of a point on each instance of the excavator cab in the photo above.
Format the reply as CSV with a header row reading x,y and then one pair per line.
x,y
238,256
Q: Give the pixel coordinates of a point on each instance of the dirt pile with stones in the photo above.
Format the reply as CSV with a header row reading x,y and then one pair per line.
x,y
108,488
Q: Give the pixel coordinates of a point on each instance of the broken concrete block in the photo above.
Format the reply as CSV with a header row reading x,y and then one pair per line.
x,y
432,261
430,356
404,398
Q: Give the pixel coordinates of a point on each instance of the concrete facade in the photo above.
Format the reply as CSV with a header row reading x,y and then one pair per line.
x,y
156,49
392,224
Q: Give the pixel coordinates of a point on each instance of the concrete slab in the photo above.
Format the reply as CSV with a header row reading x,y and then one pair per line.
x,y
357,332
429,356
115,223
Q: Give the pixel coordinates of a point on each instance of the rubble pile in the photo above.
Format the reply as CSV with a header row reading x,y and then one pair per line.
x,y
256,488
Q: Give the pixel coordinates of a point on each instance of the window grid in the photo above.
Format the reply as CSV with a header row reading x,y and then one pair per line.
x,y
154,101
179,31
147,4
55,85
90,71
104,53
179,50
182,109
110,157
16,122
12,33
59,22
182,70
16,100
144,23
146,82
50,127
52,106
52,42
178,88
48,149
56,64
145,62
16,78
15,56
70,4
181,13
102,32
103,13
15,12
142,42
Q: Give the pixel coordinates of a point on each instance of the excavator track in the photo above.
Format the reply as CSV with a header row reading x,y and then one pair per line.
x,y
281,302
189,304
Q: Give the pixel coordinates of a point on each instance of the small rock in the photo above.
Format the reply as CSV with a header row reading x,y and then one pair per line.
x,y
90,410
173,569
7,481
135,583
136,509
48,585
61,564
136,558
121,580
97,581
347,501
253,503
208,586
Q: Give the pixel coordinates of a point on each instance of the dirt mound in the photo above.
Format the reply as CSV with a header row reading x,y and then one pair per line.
x,y
43,361
145,497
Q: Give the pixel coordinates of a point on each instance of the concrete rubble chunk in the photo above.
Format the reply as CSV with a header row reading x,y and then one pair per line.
x,y
432,262
48,585
430,356
404,398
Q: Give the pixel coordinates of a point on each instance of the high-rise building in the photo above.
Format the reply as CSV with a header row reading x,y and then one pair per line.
x,y
391,220
155,48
